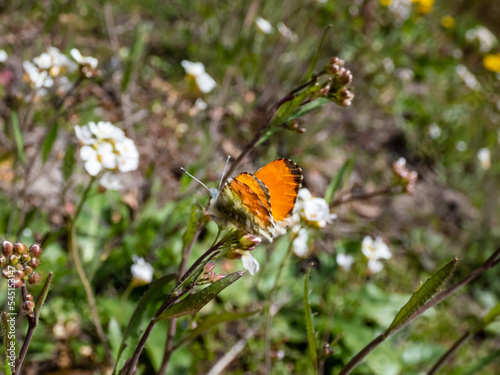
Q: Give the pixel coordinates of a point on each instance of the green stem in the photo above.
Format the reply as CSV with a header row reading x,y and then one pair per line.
x,y
84,198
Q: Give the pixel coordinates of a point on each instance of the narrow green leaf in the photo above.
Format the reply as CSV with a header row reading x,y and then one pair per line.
x,y
6,342
315,58
482,363
69,162
18,135
43,295
135,55
48,142
215,319
144,311
421,296
306,108
492,315
115,336
309,325
194,302
339,179
191,227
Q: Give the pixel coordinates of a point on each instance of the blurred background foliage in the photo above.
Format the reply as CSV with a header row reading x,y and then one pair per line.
x,y
423,92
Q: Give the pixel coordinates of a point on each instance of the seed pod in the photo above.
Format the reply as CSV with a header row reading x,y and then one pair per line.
x,y
28,297
17,283
34,278
28,270
36,250
7,248
20,248
25,258
3,260
19,274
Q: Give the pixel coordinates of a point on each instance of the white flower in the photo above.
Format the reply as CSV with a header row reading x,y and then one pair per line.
x,y
264,25
99,157
484,158
141,270
197,70
468,78
314,211
106,130
375,250
249,263
38,79
200,104
128,156
434,131
484,37
111,181
54,62
461,146
84,135
345,261
400,9
300,247
83,60
286,32
3,56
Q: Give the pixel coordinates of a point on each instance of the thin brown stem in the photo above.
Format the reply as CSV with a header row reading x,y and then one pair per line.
x,y
350,197
491,262
29,334
446,356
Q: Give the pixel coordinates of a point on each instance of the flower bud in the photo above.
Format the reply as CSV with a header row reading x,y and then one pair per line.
x,y
28,270
249,241
233,254
17,283
3,261
7,248
14,259
28,297
34,278
35,250
33,263
6,274
218,277
19,274
208,267
25,258
20,248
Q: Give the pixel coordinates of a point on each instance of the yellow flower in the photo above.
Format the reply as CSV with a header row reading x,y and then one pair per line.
x,y
448,22
424,6
492,62
386,3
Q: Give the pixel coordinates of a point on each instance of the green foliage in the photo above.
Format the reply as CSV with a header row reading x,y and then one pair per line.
x,y
311,337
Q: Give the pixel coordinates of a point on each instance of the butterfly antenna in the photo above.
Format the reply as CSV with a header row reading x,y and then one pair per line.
x,y
194,178
224,173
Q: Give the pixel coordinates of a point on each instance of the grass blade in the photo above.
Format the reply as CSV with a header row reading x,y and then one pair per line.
x,y
309,326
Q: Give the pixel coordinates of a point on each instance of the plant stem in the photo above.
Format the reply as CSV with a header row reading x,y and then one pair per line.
x,y
350,198
491,262
29,334
73,249
269,315
446,356
169,345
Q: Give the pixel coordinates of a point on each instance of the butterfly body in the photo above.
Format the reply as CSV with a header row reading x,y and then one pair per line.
x,y
259,203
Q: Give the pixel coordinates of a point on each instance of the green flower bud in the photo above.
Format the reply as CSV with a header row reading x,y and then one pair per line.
x,y
14,259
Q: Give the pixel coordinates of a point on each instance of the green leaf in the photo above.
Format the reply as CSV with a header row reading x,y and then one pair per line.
x,y
315,58
144,311
309,325
194,302
48,142
421,296
115,336
482,363
191,228
135,55
18,135
339,179
69,162
213,320
306,108
42,297
492,315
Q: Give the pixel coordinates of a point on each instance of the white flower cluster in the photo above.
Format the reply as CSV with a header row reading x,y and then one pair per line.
x,y
196,70
142,271
52,65
374,250
485,39
401,9
265,27
106,148
312,212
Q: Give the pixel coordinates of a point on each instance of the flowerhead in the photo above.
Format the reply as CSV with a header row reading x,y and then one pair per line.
x,y
300,247
142,271
492,62
374,250
485,39
484,157
106,149
314,211
264,25
54,62
3,56
196,71
345,261
403,177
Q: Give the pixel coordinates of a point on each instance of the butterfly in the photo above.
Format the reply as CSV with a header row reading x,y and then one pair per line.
x,y
259,203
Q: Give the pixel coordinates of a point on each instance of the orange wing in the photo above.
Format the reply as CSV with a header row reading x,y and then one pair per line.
x,y
257,186
283,179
